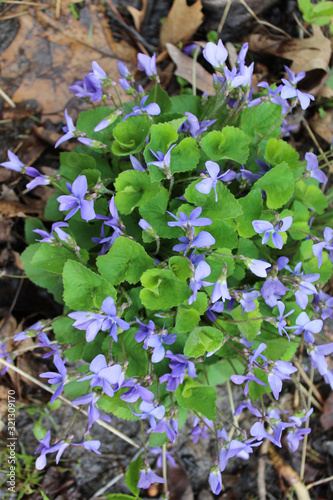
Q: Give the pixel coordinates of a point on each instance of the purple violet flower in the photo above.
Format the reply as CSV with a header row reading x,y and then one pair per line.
x,y
262,226
49,238
317,355
94,322
246,300
93,413
6,356
44,448
32,331
163,161
136,391
150,109
202,271
328,244
168,454
312,166
148,477
213,169
272,290
188,222
294,437
170,426
194,127
281,371
148,409
289,89
215,480
136,164
14,163
57,377
258,267
122,68
103,375
200,429
281,322
250,377
45,342
75,200
156,341
203,239
308,327
323,303
144,332
216,55
148,65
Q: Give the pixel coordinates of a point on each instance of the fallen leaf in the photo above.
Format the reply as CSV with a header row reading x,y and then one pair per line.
x,y
323,126
138,15
182,22
326,419
184,65
307,54
13,209
48,55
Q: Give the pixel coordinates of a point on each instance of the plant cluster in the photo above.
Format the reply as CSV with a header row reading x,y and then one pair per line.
x,y
188,250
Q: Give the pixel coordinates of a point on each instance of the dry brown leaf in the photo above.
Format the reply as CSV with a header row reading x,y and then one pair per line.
x,y
307,54
182,22
184,69
138,15
323,126
13,209
47,56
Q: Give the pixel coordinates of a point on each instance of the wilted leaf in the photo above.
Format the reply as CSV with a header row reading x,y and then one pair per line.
x,y
306,54
138,15
182,22
184,65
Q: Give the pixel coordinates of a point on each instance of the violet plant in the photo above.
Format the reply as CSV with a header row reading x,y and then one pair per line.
x,y
156,320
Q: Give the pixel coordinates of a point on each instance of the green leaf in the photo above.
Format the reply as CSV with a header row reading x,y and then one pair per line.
x,y
225,235
311,196
225,208
190,103
118,407
200,398
278,151
65,333
132,475
277,347
310,262
185,156
231,143
84,289
187,319
162,290
88,120
29,226
252,207
162,135
257,390
161,97
157,439
180,267
125,261
130,135
218,373
278,184
52,258
154,212
51,211
259,120
134,188
50,281
300,221
245,323
203,339
135,355
72,164
93,177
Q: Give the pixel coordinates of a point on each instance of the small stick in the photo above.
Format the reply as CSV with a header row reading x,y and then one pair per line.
x,y
305,441
321,481
224,17
308,381
259,21
68,402
289,474
7,99
57,10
